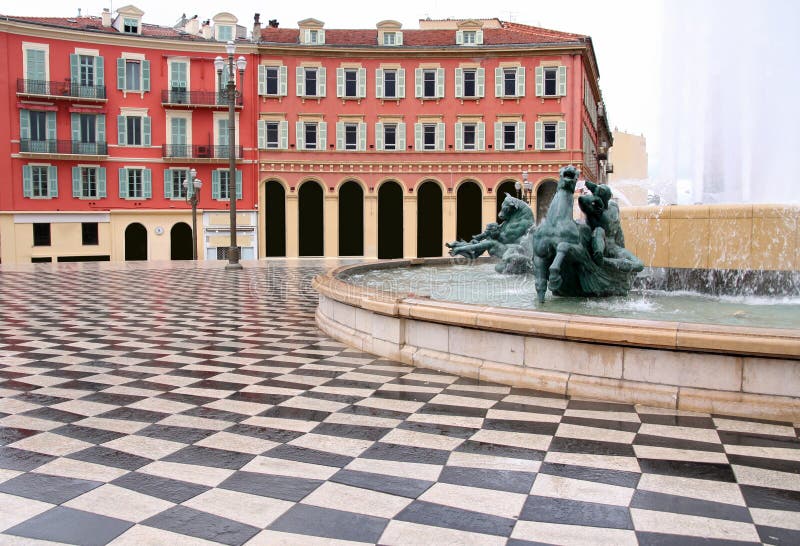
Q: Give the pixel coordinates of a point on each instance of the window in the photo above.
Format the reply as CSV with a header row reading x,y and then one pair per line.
x,y
469,37
470,131
551,81
133,130
39,181
351,135
41,234
470,136
272,81
133,74
429,136
130,25
37,131
272,131
311,135
220,184
89,234
392,38
179,82
351,83
273,135
89,134
470,83
312,36
224,33
390,83
86,70
178,137
509,135
509,81
310,81
551,135
87,76
429,83
135,183
88,182
390,136
174,187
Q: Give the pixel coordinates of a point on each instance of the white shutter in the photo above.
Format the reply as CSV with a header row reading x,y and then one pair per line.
x,y
401,83
520,135
321,81
379,136
498,82
300,79
322,136
440,83
379,83
538,135
561,132
362,137
459,136
498,135
340,82
362,83
418,82
480,76
440,144
479,37
539,81
520,81
283,134
282,81
459,83
418,137
262,79
306,36
262,134
562,81
398,37
321,36
459,37
481,135
401,136
299,135
339,135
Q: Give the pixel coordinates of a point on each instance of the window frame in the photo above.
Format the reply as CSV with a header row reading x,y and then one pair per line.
x,y
44,237
554,80
87,237
549,127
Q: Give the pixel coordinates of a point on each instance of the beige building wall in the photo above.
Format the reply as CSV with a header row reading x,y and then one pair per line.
x,y
629,158
16,236
158,225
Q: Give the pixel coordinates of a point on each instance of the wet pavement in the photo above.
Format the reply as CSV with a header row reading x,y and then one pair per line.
x,y
158,403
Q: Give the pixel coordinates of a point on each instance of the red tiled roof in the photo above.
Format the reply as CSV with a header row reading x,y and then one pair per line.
x,y
511,33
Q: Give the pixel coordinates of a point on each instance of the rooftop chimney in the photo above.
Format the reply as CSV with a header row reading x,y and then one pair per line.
x,y
256,27
106,17
79,12
207,34
273,23
192,26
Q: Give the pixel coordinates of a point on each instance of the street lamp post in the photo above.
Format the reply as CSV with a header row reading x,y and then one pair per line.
x,y
527,187
196,184
230,95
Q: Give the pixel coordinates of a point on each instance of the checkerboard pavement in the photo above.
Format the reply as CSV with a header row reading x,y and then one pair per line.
x,y
181,403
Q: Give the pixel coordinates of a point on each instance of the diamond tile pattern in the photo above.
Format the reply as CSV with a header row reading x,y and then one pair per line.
x,y
149,403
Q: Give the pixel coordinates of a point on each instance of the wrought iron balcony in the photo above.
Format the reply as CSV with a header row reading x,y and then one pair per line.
x,y
197,98
63,89
199,151
67,147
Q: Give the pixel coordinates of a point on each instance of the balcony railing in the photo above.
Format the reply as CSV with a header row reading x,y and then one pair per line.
x,y
199,151
61,89
70,147
197,98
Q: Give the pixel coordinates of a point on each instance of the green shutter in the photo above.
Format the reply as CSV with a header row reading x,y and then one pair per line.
x,y
282,81
35,70
339,135
401,83
123,183
362,82
520,81
51,126
145,75
27,181
147,183
561,132
362,137
74,69
76,181
52,181
189,183
262,79
168,183
379,136
262,134
459,83
101,129
76,127
101,182
440,82
480,76
498,135
520,135
300,80
539,81
122,133
238,184
498,82
215,184
121,74
459,136
321,81
418,82
562,81
340,82
283,132
24,125
379,83
146,131
99,72
538,142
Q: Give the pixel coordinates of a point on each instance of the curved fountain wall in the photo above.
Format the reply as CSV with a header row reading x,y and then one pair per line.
x,y
725,370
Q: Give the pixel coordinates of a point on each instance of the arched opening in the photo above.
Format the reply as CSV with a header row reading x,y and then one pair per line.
x,y
135,242
429,220
506,188
351,219
468,211
544,196
390,221
275,218
310,228
180,242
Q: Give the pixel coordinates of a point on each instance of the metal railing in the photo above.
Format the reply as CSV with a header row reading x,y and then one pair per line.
x,y
72,147
199,151
63,88
197,98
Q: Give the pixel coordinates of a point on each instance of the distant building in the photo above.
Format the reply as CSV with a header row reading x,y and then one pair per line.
x,y
380,142
628,159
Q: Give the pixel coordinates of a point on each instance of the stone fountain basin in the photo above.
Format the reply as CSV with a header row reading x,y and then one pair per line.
x,y
726,370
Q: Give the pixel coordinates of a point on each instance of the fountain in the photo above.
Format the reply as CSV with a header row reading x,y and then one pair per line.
x,y
720,352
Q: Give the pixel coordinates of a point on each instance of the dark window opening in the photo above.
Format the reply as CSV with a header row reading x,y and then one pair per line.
x,y
429,220
89,233
351,83
272,134
272,80
311,82
310,135
550,136
41,234
275,198
470,89
429,83
133,130
550,81
510,82
509,136
390,137
389,83
469,136
351,136
311,230
429,136
38,121
390,221
41,260
351,219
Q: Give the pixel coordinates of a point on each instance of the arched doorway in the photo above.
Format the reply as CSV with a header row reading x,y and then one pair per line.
x,y
544,196
180,242
351,219
506,187
429,220
310,228
390,221
135,242
275,218
468,211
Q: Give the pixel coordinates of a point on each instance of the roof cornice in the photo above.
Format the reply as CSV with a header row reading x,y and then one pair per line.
x,y
271,48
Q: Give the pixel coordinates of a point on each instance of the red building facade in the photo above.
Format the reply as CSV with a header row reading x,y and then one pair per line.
x,y
376,143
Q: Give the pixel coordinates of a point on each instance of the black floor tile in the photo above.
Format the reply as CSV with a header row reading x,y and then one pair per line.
x,y
9,435
208,456
775,535
393,485
676,420
185,435
335,524
269,485
133,414
52,414
19,459
661,502
187,521
87,434
599,475
659,539
356,432
501,480
591,447
63,524
518,425
163,488
428,513
111,457
497,450
406,454
771,499
438,430
46,488
573,512
305,455
688,469
626,426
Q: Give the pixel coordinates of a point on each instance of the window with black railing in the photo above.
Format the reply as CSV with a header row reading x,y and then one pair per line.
x,y
197,98
68,147
61,89
200,151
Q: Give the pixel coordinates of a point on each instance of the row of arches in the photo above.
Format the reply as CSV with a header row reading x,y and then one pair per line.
x,y
180,242
311,236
